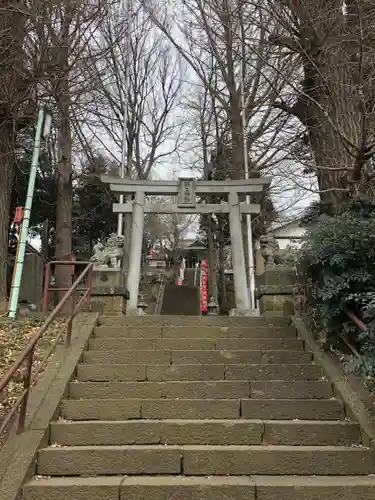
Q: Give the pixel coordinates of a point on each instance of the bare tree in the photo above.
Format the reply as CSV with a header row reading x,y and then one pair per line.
x,y
15,113
229,37
207,126
168,231
332,46
64,31
154,85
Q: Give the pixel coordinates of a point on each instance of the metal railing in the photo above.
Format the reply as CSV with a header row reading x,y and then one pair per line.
x,y
361,326
25,359
48,288
160,296
303,307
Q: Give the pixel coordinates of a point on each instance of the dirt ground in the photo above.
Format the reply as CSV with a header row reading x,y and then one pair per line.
x,y
14,337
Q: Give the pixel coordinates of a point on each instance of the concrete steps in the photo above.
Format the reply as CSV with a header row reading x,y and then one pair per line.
x,y
204,460
188,321
192,357
180,300
218,389
199,408
200,332
217,432
159,373
203,488
119,409
191,344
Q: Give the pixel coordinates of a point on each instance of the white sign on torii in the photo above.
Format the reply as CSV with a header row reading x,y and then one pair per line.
x,y
186,191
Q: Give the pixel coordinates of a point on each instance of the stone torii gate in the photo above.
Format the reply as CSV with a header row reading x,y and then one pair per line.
x,y
186,191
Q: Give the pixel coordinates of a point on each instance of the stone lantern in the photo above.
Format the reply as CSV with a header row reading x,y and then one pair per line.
x,y
212,307
142,304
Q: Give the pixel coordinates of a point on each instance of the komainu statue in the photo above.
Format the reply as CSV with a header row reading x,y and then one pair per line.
x,y
109,254
272,254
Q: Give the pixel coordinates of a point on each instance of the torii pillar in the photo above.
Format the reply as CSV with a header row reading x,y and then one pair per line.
x,y
186,190
134,273
241,293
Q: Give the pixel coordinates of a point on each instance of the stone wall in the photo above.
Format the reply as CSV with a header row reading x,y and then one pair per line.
x,y
275,290
109,294
32,280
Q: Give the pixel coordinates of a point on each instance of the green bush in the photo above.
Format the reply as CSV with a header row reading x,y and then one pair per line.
x,y
337,264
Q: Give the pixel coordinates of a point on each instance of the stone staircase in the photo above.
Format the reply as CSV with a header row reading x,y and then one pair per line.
x,y
182,408
180,300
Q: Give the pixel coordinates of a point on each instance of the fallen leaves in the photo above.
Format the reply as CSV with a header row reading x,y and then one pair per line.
x,y
14,337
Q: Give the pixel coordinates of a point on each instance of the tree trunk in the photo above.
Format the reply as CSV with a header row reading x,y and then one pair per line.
x,y
13,88
335,49
45,240
127,218
223,284
238,169
7,172
329,153
64,199
212,281
323,113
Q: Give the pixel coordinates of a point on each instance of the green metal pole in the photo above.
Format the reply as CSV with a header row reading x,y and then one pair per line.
x,y
15,290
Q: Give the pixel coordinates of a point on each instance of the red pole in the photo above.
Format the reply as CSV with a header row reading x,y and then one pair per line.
x,y
46,288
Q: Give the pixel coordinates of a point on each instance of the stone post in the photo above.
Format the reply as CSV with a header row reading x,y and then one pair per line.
x,y
238,257
134,273
275,287
108,292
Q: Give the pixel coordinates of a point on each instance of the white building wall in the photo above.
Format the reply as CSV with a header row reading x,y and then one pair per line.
x,y
290,234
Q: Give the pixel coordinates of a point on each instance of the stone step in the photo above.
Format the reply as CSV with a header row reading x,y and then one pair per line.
x,y
180,299
150,372
228,332
204,332
277,460
311,433
205,357
192,320
141,488
192,344
306,389
128,357
314,488
202,488
180,372
205,460
264,343
119,344
188,409
298,409
223,389
273,372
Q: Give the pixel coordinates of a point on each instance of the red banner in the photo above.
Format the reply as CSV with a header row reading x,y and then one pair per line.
x,y
204,291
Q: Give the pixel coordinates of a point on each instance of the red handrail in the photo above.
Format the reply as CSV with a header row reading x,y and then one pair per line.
x,y
361,326
47,288
357,321
27,354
